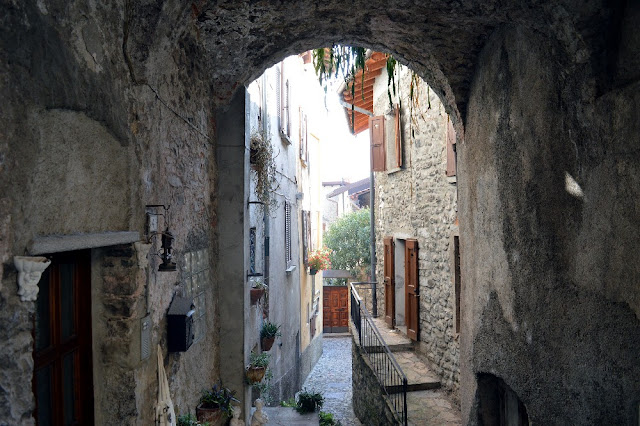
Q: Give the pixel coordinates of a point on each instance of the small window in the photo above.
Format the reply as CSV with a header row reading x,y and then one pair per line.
x,y
252,250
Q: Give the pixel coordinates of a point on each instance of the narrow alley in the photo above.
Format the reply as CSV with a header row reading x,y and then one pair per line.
x,y
332,376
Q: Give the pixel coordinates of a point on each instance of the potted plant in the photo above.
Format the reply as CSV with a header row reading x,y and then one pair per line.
x,y
257,291
268,334
215,404
319,260
257,366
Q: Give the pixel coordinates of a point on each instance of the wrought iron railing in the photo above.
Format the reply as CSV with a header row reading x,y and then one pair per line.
x,y
391,377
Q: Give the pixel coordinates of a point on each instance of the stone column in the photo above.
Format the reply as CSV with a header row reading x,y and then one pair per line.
x,y
233,242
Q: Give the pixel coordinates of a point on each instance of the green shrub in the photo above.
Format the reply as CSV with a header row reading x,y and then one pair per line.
x,y
309,401
190,420
326,419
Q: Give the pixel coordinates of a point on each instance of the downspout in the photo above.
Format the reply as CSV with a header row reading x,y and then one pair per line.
x,y
372,236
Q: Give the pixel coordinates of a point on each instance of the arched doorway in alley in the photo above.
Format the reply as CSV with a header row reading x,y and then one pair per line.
x,y
543,98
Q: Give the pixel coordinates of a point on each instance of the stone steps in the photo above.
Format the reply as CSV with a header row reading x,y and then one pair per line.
x,y
419,376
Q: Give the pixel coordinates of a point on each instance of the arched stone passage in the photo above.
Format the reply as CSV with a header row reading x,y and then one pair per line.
x,y
543,91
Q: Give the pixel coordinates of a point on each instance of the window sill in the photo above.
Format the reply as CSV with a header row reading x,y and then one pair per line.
x,y
285,139
451,179
290,269
392,171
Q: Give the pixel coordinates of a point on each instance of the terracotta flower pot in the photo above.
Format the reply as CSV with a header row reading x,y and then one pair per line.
x,y
214,416
267,343
255,374
256,294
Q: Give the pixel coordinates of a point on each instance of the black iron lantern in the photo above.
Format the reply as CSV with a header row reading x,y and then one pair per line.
x,y
167,264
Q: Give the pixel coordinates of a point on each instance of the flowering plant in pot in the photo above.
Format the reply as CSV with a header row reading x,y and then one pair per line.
x,y
257,366
215,404
268,334
319,260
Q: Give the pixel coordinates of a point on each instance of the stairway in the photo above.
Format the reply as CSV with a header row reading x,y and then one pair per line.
x,y
427,403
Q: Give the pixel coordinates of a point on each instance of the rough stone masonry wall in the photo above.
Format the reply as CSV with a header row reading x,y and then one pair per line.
x,y
370,404
89,136
549,188
419,202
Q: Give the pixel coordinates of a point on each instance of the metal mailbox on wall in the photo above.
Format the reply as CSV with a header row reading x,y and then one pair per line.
x,y
180,331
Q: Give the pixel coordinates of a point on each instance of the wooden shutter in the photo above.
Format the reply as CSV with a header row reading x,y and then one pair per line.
x,y
412,298
389,283
306,237
376,134
398,139
451,154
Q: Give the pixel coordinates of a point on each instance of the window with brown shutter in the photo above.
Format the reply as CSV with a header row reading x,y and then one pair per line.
x,y
376,134
451,153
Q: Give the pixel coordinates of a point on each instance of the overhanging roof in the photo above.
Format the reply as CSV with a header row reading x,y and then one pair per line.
x,y
362,101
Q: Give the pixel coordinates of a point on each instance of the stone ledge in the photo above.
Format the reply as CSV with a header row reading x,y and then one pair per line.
x,y
60,243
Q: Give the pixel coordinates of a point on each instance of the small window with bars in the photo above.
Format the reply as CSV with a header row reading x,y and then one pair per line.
x,y
288,255
196,279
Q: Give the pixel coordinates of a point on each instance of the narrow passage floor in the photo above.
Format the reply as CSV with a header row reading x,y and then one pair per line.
x,y
332,376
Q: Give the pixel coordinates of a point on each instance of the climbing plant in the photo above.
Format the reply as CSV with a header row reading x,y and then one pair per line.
x,y
262,161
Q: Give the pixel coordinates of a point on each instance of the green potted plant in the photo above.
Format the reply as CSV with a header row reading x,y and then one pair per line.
x,y
268,334
257,290
215,404
257,366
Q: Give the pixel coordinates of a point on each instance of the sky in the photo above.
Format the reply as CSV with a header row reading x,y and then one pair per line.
x,y
343,155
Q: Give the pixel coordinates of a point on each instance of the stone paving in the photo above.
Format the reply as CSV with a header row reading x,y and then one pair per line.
x,y
431,407
332,376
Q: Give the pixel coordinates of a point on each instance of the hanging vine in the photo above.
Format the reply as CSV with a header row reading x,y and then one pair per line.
x,y
263,163
345,61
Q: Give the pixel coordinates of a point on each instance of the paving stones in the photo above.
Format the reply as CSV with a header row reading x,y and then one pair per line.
x,y
332,376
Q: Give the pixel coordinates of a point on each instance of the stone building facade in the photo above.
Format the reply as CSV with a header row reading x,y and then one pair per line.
x,y
544,99
418,201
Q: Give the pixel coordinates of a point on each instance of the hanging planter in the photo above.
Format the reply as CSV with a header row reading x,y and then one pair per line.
x,y
267,343
255,374
319,260
268,334
256,295
257,367
313,271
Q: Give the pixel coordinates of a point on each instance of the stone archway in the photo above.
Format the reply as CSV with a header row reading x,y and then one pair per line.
x,y
542,95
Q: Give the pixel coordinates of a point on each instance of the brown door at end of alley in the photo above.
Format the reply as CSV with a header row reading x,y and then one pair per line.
x,y
335,309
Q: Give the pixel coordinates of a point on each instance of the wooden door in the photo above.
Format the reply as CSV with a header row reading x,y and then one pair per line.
x,y
63,375
335,309
389,283
412,297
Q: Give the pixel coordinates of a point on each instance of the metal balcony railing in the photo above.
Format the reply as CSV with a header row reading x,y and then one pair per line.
x,y
389,374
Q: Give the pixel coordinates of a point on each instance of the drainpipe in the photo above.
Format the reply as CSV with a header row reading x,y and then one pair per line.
x,y
372,197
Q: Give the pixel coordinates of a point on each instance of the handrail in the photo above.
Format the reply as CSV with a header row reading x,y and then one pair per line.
x,y
392,379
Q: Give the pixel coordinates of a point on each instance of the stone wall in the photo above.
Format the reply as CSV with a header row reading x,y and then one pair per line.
x,y
370,405
87,142
419,201
549,180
